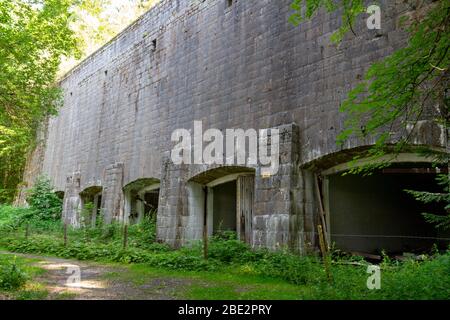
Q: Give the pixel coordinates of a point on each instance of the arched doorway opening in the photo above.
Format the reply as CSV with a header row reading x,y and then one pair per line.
x,y
227,196
141,199
91,205
372,213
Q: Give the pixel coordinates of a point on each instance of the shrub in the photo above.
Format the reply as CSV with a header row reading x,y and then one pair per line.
x,y
228,251
418,280
44,201
143,234
290,267
11,276
12,217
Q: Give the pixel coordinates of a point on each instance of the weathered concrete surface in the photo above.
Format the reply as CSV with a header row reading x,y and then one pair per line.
x,y
242,66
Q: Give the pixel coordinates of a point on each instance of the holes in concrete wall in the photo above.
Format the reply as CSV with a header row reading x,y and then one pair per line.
x,y
60,194
369,214
153,45
141,200
229,3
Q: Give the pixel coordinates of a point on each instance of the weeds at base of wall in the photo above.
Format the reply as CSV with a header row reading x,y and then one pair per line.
x,y
400,280
12,277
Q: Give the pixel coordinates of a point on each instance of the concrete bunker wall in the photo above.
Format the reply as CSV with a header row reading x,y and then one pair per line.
x,y
283,211
239,66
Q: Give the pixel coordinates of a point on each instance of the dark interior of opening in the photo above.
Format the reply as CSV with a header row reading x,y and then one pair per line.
x,y
224,207
93,197
371,213
99,204
151,203
60,194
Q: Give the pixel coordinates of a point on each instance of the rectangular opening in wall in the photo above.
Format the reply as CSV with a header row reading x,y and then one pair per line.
x,y
151,200
374,213
224,218
229,3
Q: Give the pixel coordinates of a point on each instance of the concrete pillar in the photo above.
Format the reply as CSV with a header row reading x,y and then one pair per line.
x,y
72,201
173,208
284,202
112,197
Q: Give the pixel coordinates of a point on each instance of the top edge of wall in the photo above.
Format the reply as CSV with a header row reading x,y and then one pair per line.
x,y
181,7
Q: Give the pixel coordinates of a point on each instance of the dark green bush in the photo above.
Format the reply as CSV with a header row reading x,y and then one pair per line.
x,y
12,217
417,279
290,267
11,276
228,251
143,234
44,201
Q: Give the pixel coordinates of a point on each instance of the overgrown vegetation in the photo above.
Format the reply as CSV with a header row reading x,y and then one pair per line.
x,y
400,90
11,276
44,211
412,279
34,35
16,279
440,221
397,92
38,229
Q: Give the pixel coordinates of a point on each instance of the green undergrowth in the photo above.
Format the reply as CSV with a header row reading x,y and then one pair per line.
x,y
232,264
227,257
17,279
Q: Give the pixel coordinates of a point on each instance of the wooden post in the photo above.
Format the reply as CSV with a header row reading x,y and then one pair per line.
x,y
322,212
65,234
205,225
27,231
125,236
324,252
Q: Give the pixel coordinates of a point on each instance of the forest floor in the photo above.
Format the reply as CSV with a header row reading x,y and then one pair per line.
x,y
72,279
64,279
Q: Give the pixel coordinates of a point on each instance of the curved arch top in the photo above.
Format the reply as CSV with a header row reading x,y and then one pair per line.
x,y
211,175
141,183
90,191
341,161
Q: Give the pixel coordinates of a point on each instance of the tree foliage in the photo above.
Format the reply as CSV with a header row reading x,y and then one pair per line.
x,y
34,35
440,221
349,12
409,85
98,21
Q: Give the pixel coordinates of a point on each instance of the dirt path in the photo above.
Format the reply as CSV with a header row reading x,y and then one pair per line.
x,y
72,279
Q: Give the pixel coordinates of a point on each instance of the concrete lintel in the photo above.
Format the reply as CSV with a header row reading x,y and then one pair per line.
x,y
401,158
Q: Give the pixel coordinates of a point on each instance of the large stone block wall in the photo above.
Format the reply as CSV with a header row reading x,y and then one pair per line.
x,y
243,66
